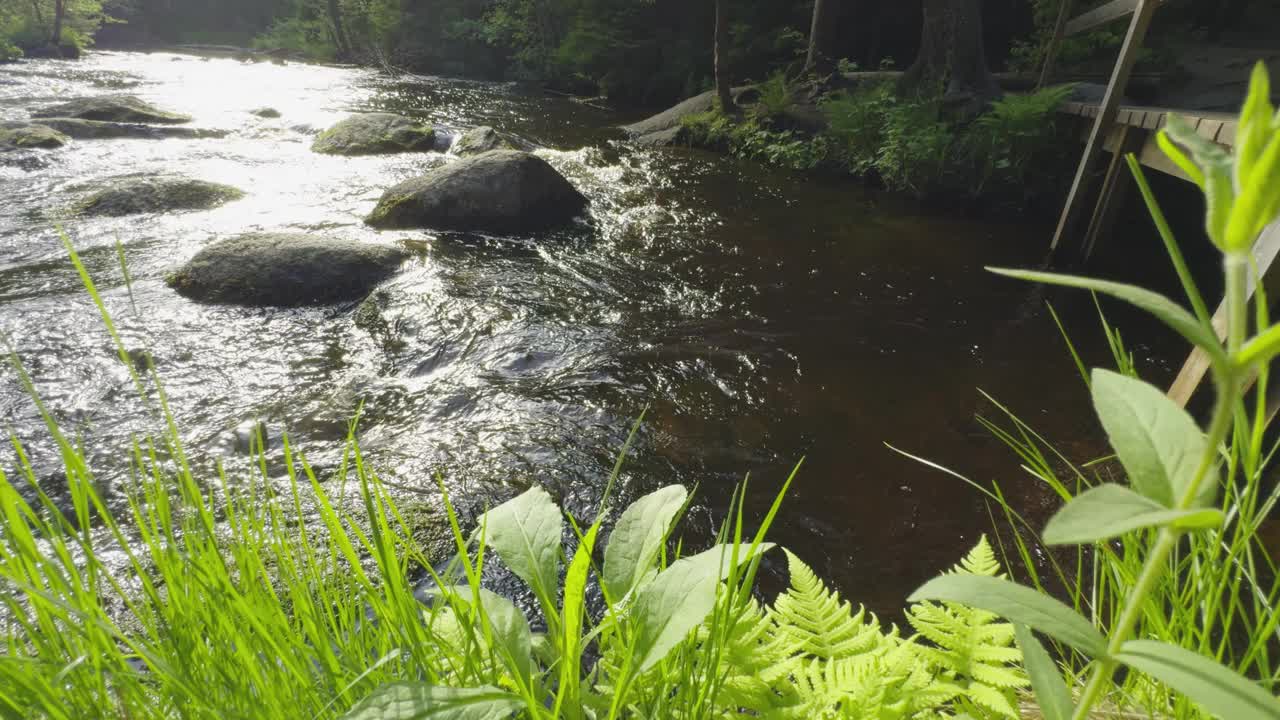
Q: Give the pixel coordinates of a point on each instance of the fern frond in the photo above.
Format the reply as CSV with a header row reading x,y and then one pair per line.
x,y
972,647
819,622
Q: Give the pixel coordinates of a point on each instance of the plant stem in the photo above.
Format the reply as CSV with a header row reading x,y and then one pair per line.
x,y
1235,266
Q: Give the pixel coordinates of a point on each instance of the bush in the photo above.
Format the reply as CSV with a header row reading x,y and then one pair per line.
x,y
776,97
8,51
306,37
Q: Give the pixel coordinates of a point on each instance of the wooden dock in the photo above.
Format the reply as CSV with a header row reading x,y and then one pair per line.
x,y
1122,129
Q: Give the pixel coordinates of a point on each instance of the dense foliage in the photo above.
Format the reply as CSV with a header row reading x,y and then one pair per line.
x,y
904,143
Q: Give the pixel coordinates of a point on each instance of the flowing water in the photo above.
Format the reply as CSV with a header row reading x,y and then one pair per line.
x,y
760,317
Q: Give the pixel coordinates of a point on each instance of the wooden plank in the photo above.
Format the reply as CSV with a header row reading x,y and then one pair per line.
x,y
1110,102
1055,40
1197,364
1114,187
1113,10
1153,157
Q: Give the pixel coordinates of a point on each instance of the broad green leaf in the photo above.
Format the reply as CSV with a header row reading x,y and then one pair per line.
x,y
1018,604
678,600
417,701
509,626
1216,688
575,598
1166,310
1110,510
525,532
1158,443
637,539
1046,677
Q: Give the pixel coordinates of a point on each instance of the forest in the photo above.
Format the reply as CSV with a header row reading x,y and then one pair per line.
x,y
635,52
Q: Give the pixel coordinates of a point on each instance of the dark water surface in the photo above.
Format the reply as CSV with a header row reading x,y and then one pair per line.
x,y
761,317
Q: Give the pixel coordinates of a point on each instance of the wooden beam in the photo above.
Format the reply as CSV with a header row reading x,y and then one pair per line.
x,y
1107,113
1109,12
1051,50
1122,141
1196,365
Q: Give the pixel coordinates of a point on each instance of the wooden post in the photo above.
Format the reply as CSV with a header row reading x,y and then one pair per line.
x,y
1106,113
1051,50
1197,363
1115,187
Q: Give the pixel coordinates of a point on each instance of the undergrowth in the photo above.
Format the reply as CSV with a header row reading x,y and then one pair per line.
x,y
905,144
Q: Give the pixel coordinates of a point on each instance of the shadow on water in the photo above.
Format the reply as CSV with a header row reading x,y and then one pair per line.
x,y
760,317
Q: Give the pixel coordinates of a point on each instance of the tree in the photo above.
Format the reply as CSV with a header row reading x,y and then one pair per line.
x,y
59,13
339,31
723,86
952,50
821,35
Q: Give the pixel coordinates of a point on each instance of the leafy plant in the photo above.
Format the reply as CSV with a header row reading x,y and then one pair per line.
x,y
1176,472
776,97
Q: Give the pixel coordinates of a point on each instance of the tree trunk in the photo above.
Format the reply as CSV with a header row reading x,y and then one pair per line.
x,y
59,10
339,31
971,80
723,86
821,31
930,67
952,50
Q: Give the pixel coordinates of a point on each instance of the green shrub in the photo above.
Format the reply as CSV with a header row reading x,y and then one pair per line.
x,y
9,51
1018,134
307,37
776,97
856,122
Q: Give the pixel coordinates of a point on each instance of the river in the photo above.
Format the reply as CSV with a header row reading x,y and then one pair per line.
x,y
761,317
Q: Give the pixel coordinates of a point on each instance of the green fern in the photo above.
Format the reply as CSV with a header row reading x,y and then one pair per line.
x,y
970,647
819,622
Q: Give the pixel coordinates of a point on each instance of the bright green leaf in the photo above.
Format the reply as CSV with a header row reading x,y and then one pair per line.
x,y
1046,678
1018,604
1158,443
1166,310
509,626
678,600
637,539
1110,510
525,532
416,701
1216,688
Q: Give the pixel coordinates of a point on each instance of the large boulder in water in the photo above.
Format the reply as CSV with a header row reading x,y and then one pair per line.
x,y
376,134
113,108
499,191
25,137
286,270
481,140
100,130
136,195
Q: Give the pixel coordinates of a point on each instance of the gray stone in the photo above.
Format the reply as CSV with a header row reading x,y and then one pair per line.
x,y
132,196
502,190
376,134
285,270
481,140
113,108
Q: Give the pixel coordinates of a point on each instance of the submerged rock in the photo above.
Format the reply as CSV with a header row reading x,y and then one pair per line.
x,y
265,112
131,196
100,130
502,190
113,108
481,140
376,134
283,269
31,136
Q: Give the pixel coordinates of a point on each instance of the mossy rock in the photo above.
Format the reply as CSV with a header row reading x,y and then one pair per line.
x,y
31,136
135,196
499,191
113,108
376,134
265,112
285,270
102,130
481,140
